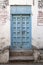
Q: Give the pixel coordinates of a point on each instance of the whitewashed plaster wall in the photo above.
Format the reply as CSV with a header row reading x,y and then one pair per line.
x,y
37,30
4,24
4,32
20,2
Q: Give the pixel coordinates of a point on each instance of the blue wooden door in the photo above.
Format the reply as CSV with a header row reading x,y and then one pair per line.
x,y
21,31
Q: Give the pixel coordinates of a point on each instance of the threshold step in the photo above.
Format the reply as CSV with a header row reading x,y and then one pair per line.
x,y
21,53
22,58
21,50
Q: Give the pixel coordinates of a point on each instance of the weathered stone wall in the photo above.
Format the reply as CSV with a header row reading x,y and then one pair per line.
x,y
4,30
4,56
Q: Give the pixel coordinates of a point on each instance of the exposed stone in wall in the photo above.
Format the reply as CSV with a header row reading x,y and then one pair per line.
x,y
3,11
40,17
40,12
4,3
40,3
4,57
36,55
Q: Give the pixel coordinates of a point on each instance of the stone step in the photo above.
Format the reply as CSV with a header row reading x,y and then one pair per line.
x,y
21,53
23,64
21,58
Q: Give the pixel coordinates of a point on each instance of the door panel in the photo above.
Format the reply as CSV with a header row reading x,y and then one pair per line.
x,y
21,32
